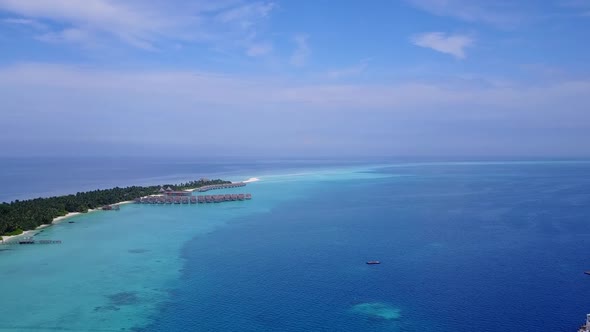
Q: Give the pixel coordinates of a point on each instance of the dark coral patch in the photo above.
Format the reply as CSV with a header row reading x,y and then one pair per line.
x,y
138,251
123,298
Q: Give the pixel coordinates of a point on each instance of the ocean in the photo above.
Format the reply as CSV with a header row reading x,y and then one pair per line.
x,y
464,246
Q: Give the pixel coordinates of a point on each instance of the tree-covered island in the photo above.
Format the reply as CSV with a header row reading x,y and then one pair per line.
x,y
19,216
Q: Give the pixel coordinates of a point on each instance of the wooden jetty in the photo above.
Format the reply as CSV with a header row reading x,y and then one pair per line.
x,y
221,186
192,199
29,240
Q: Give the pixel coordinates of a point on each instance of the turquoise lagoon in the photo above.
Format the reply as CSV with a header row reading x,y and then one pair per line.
x,y
115,268
464,246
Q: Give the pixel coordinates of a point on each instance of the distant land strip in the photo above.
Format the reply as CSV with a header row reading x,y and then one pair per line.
x,y
19,216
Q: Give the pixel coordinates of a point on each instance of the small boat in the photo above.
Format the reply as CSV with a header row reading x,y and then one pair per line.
x,y
71,222
373,262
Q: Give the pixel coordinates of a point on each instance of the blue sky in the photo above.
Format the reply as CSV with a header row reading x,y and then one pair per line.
x,y
280,78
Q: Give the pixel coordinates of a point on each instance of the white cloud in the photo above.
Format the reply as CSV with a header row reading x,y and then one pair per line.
x,y
140,23
439,41
302,51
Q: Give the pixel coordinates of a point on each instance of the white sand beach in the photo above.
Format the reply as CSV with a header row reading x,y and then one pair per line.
x,y
55,221
8,237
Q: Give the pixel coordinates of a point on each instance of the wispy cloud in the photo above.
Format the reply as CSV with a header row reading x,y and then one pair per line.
x,y
302,51
139,23
136,26
575,3
501,13
71,35
349,71
259,49
24,22
249,91
454,45
369,115
581,7
248,14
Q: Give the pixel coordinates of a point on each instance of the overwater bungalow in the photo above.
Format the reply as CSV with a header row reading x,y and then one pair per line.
x,y
177,193
192,199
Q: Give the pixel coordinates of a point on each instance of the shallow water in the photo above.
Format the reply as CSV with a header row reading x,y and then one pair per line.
x,y
485,247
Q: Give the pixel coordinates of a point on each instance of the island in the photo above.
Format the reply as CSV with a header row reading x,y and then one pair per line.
x,y
22,215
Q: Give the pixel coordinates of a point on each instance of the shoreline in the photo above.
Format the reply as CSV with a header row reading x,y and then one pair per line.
x,y
69,215
55,221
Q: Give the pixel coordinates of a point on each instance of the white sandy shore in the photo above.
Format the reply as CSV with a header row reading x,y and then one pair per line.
x,y
73,214
8,237
55,221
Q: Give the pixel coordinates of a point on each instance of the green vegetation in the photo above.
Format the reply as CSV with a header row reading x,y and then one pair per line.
x,y
14,232
29,214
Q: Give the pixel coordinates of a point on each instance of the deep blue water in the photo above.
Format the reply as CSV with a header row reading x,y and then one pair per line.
x,y
463,248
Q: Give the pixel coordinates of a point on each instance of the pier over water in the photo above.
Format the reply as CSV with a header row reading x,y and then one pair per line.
x,y
193,199
28,240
